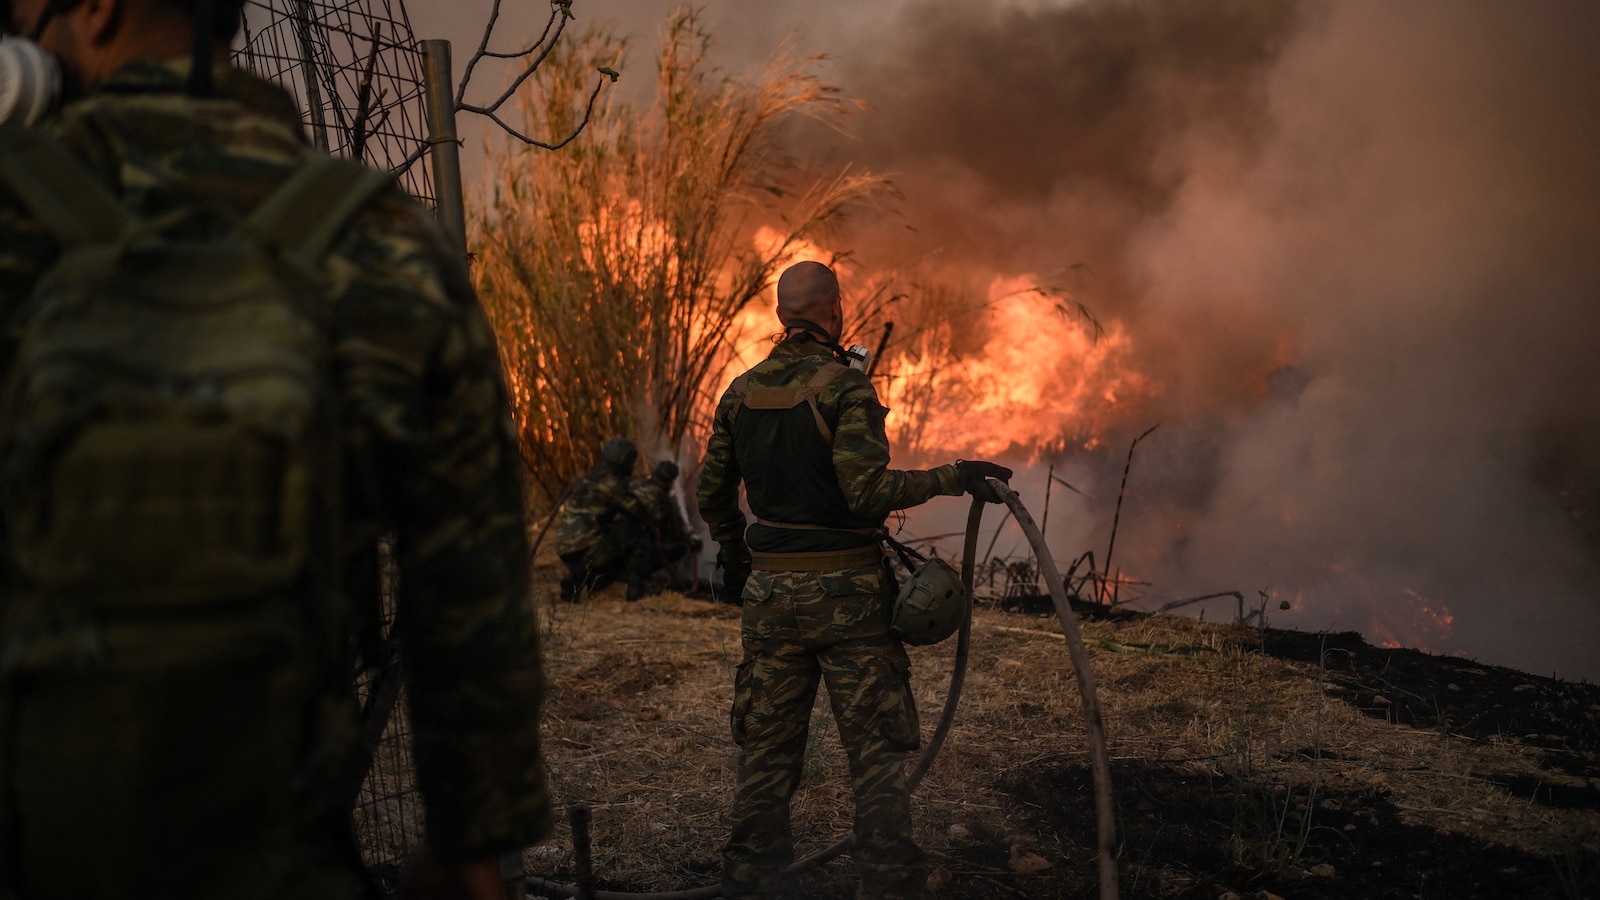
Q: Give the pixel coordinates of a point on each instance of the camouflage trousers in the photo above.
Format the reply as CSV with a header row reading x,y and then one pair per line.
x,y
799,628
594,567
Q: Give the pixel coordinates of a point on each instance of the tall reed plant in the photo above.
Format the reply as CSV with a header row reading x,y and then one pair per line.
x,y
614,271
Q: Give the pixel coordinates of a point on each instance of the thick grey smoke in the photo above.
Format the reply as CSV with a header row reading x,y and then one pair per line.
x,y
1422,224
1357,246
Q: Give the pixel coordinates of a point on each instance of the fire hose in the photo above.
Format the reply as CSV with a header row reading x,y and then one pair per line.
x,y
1099,759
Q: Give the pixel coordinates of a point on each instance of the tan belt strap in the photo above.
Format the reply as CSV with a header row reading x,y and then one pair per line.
x,y
821,561
797,526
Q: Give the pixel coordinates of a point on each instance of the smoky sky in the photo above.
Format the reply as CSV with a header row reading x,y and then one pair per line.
x,y
1356,246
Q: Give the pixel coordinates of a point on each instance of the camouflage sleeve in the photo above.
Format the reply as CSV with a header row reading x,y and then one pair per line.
x,y
622,502
656,504
717,492
861,458
429,376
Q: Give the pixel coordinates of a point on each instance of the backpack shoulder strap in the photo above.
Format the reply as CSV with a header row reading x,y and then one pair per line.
x,y
829,374
307,211
71,202
740,387
791,396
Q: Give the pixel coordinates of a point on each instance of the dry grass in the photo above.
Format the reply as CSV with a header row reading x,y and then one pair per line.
x,y
637,726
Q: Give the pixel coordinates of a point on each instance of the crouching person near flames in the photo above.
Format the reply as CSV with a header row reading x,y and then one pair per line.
x,y
597,521
232,363
660,538
805,434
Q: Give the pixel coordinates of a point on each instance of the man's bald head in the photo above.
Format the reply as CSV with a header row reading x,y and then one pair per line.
x,y
808,294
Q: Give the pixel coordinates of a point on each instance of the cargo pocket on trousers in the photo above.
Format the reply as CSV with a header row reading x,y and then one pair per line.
x,y
757,587
741,701
866,582
901,728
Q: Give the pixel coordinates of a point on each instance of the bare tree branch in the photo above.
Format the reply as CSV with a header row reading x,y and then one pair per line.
x,y
560,13
412,157
527,73
588,112
358,130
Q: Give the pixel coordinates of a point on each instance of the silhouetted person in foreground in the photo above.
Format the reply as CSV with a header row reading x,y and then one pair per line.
x,y
234,364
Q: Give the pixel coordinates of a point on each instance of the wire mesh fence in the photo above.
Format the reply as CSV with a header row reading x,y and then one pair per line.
x,y
388,815
355,70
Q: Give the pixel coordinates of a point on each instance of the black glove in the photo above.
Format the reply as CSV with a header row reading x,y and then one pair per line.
x,y
694,543
974,475
735,565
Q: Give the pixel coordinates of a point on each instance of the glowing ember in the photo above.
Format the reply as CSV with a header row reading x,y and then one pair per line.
x,y
1412,620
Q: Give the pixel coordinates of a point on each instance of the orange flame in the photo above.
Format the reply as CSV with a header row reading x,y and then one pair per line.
x,y
1041,378
1022,369
1412,620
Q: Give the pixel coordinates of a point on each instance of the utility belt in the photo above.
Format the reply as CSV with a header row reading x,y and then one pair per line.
x,y
818,560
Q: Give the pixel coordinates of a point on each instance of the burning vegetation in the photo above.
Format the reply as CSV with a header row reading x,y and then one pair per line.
x,y
614,271
1342,255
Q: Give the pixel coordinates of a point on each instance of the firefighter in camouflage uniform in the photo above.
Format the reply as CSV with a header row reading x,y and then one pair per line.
x,y
661,537
805,435
597,523
174,733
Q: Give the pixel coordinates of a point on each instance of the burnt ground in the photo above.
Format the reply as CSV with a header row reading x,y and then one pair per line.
x,y
1246,763
1370,851
1461,697
1373,853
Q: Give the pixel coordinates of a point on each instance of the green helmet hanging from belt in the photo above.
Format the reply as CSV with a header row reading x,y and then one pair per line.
x,y
931,605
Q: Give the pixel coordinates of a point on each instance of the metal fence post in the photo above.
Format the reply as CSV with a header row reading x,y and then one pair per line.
x,y
438,96
305,21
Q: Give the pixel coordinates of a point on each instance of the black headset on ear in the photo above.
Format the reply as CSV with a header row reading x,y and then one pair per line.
x,y
812,329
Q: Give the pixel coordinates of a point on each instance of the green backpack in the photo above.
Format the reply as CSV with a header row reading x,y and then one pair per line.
x,y
169,623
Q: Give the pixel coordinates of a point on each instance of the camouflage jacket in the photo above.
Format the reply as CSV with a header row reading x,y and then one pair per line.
x,y
793,474
655,502
593,509
429,451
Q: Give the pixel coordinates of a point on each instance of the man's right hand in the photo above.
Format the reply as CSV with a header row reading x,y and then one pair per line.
x,y
735,565
974,475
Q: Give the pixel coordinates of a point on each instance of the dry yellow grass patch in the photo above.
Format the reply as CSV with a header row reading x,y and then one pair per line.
x,y
637,726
